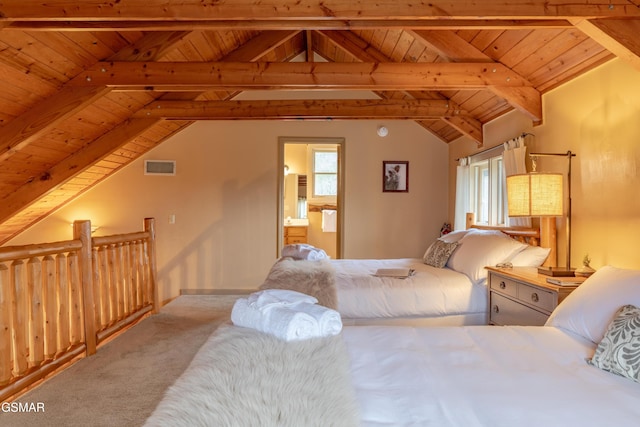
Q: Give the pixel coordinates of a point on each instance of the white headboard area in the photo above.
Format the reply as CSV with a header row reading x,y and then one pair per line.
x,y
544,236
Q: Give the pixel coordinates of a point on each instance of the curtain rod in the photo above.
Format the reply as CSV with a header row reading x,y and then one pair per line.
x,y
523,134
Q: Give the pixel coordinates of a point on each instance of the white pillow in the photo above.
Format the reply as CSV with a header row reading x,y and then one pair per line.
x,y
454,236
531,256
588,310
478,250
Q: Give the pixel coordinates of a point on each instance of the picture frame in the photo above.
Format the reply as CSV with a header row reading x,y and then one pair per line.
x,y
395,176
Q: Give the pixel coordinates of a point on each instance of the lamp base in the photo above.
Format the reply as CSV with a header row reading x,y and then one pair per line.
x,y
557,271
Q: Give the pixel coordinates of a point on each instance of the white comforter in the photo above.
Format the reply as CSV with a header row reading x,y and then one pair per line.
x,y
484,376
430,292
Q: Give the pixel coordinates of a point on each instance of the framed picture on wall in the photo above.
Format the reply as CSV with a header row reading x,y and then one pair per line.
x,y
395,176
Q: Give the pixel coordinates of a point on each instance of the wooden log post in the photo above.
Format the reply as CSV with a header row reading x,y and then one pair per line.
x,y
82,231
19,310
62,286
50,307
5,326
150,226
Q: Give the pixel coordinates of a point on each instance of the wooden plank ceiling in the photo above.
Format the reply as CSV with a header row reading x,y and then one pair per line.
x,y
87,87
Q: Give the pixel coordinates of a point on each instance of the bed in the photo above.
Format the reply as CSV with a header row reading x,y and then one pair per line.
x,y
448,286
581,369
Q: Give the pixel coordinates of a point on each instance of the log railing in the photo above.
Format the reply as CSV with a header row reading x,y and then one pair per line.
x,y
60,300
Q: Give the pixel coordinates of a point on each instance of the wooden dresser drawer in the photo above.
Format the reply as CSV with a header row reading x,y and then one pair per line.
x,y
292,240
537,297
522,296
296,231
504,285
508,312
294,235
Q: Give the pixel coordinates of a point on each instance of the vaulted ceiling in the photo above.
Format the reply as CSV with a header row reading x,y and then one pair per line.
x,y
89,86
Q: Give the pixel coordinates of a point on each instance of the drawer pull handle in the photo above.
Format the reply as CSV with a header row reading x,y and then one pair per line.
x,y
496,309
503,285
534,297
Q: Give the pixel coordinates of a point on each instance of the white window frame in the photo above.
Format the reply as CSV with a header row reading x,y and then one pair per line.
x,y
487,199
312,185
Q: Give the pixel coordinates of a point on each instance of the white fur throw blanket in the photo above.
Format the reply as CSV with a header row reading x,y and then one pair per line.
x,y
241,377
315,278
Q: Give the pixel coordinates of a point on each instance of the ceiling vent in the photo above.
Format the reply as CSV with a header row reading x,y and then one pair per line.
x,y
159,167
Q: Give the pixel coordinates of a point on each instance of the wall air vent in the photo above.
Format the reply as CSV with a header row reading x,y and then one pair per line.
x,y
159,167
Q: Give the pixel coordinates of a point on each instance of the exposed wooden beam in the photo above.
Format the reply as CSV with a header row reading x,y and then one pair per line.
x,y
197,10
288,24
167,76
72,165
619,36
352,109
258,46
363,51
45,115
48,113
449,45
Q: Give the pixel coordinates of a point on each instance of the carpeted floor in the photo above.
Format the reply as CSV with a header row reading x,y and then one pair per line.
x,y
122,384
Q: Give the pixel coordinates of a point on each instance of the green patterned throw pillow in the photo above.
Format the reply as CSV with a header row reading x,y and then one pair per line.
x,y
619,350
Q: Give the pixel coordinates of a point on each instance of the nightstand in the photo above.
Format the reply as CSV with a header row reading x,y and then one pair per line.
x,y
521,296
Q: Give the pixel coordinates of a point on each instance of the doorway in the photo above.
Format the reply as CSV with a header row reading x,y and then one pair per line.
x,y
311,193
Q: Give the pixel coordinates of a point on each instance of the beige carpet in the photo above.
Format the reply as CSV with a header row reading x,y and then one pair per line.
x,y
122,384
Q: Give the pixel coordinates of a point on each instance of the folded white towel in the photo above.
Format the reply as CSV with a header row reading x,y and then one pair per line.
x,y
284,322
329,320
244,315
304,251
291,324
269,297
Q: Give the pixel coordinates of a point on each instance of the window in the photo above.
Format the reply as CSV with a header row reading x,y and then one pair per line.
x,y
487,192
325,173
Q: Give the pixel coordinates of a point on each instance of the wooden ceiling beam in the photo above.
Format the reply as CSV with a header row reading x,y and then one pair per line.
x,y
618,36
45,115
197,10
48,113
335,109
449,45
167,76
289,24
360,49
79,161
29,193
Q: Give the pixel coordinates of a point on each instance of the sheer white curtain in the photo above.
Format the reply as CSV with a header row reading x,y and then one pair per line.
x,y
462,194
513,161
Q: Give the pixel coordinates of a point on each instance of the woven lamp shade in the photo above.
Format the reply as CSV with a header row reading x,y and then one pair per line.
x,y
535,194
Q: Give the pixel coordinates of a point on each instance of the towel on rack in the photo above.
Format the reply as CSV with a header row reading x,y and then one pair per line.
x,y
329,223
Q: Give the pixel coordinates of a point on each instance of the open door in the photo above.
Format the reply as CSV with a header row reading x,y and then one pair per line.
x,y
311,193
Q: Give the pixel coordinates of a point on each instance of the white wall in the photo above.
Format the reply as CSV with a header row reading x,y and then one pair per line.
x,y
596,116
224,197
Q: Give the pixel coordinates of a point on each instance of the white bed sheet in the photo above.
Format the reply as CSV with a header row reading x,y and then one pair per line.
x,y
484,376
430,292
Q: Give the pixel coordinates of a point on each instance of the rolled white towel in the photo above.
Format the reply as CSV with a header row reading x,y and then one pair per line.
x,y
329,320
291,324
295,250
286,323
313,254
265,299
304,251
242,314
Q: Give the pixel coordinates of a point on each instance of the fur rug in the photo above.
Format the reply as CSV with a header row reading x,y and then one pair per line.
x,y
315,278
241,377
